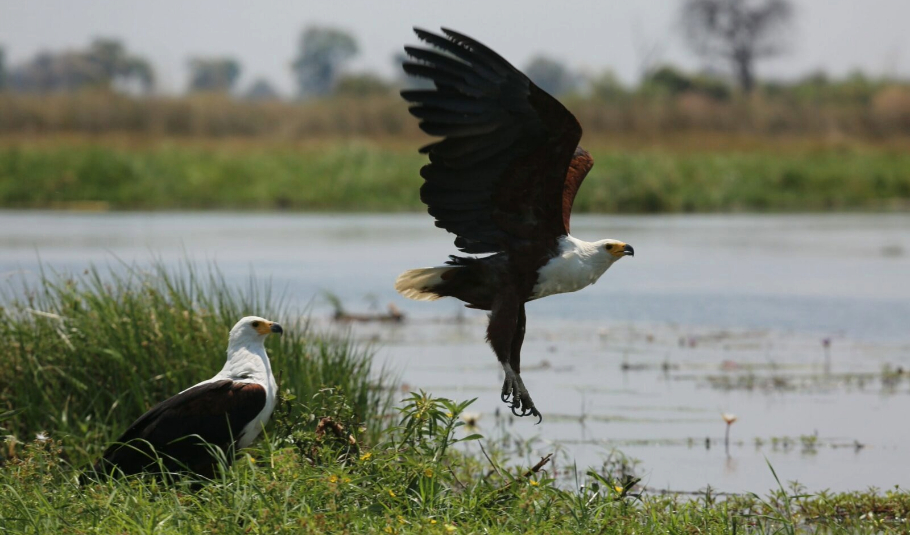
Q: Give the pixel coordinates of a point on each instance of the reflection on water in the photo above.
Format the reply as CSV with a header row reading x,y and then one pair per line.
x,y
713,314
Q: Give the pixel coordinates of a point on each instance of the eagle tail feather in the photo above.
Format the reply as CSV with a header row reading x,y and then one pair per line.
x,y
422,284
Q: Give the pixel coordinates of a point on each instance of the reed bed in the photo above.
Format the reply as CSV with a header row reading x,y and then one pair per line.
x,y
87,354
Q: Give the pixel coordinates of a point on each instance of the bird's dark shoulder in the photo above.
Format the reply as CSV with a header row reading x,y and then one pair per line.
x,y
216,412
238,400
581,164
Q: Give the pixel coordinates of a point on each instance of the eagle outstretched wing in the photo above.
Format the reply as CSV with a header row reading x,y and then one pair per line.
x,y
509,165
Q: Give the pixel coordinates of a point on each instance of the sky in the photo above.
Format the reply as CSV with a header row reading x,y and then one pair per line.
x,y
838,36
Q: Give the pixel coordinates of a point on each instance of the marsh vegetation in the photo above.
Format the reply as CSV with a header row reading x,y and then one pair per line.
x,y
347,451
677,175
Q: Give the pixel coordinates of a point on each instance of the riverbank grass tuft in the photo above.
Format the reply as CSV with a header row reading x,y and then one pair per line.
x,y
86,354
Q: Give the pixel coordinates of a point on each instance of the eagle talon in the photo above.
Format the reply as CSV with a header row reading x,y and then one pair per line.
x,y
515,395
511,390
530,411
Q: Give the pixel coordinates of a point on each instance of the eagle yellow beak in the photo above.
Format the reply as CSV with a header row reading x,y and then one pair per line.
x,y
622,249
267,327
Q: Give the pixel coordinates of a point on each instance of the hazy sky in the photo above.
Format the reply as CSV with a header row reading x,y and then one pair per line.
x,y
835,35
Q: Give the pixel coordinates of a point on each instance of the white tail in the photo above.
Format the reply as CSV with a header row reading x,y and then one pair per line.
x,y
418,284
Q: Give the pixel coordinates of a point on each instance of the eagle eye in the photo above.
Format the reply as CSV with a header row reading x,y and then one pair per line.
x,y
609,246
255,324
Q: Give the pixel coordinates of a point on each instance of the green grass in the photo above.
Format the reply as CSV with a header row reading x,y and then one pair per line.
x,y
85,355
422,474
366,176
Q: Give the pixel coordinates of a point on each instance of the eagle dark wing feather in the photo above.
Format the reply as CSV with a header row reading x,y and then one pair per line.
x,y
217,412
489,65
499,172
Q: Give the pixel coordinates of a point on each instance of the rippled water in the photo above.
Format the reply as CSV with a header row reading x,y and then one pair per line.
x,y
714,313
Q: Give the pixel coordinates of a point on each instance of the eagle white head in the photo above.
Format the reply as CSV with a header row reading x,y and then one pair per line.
x,y
246,355
613,250
252,330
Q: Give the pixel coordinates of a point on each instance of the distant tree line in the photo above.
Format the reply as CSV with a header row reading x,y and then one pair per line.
x,y
731,36
105,64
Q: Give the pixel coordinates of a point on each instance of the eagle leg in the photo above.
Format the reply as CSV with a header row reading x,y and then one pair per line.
x,y
505,333
517,340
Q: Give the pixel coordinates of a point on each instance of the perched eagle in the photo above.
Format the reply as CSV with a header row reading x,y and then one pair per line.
x,y
228,411
503,180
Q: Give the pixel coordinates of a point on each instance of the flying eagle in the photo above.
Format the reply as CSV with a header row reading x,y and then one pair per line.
x,y
228,411
503,180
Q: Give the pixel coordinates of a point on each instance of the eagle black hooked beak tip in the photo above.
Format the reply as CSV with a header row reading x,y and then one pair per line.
x,y
628,250
275,328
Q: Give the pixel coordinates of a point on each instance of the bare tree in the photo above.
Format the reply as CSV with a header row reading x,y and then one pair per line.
x,y
738,31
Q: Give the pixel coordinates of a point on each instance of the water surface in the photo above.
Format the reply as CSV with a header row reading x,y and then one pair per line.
x,y
714,313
